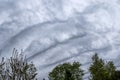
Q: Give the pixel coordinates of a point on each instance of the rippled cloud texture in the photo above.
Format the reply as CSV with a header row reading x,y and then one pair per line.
x,y
56,31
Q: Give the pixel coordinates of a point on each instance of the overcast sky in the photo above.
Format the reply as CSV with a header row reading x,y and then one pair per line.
x,y
56,31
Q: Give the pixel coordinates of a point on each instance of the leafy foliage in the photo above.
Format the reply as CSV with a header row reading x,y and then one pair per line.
x,y
17,68
67,71
100,70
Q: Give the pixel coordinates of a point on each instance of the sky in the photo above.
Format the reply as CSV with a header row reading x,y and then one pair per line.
x,y
51,32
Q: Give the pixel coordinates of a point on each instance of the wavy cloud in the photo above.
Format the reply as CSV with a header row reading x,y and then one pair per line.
x,y
57,31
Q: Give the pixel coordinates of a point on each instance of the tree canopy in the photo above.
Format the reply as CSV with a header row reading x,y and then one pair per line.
x,y
17,68
67,71
100,70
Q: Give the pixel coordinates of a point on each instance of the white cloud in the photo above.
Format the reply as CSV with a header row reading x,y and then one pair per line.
x,y
56,31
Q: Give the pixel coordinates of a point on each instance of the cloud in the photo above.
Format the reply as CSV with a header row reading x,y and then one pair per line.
x,y
53,32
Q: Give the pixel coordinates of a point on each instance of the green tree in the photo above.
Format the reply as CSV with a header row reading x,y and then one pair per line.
x,y
17,68
97,68
67,71
110,71
100,70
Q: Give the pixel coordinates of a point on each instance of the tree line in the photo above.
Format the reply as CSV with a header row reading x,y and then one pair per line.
x,y
18,68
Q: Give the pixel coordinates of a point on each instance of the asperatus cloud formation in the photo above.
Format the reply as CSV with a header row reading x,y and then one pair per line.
x,y
55,31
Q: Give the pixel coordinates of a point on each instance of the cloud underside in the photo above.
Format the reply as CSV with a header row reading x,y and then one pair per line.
x,y
53,32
